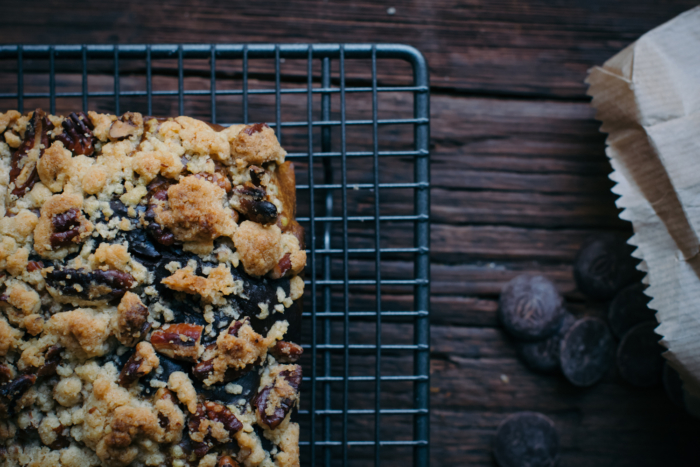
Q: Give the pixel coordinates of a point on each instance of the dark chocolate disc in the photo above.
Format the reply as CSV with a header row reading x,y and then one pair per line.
x,y
629,308
526,439
543,356
673,386
603,266
586,351
530,307
639,355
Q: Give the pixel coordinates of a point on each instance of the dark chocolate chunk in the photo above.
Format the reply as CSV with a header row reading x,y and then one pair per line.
x,y
526,439
629,308
603,266
11,392
530,307
249,381
639,355
543,356
586,351
673,385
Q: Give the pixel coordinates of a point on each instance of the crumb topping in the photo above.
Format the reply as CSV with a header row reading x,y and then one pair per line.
x,y
149,270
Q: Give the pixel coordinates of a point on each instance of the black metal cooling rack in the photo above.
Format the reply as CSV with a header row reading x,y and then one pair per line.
x,y
363,187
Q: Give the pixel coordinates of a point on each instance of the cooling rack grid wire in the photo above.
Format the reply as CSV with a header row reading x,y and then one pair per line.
x,y
355,121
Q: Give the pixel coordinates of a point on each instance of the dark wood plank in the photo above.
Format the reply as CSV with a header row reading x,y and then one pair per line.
x,y
506,47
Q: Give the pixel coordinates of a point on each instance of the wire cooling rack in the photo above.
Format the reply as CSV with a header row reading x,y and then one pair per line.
x,y
355,121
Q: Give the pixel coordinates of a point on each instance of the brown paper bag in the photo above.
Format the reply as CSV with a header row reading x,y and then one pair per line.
x,y
648,99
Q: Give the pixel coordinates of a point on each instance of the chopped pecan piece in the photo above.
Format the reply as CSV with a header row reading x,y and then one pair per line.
x,y
124,127
11,392
250,201
34,266
274,402
179,341
217,178
5,373
132,320
282,268
158,193
77,134
286,352
255,128
220,413
90,285
199,426
52,358
62,439
257,174
141,363
66,228
23,171
227,461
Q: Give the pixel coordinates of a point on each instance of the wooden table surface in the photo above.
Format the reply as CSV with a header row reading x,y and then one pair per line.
x,y
519,175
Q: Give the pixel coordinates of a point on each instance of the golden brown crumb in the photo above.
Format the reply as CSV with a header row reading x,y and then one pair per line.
x,y
111,257
34,324
212,289
22,297
8,118
54,166
182,385
17,262
67,391
259,248
150,164
94,180
132,315
58,204
9,337
82,331
20,226
243,348
199,138
257,144
196,211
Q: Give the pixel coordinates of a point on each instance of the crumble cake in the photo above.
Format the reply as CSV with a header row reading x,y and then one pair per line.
x,y
150,293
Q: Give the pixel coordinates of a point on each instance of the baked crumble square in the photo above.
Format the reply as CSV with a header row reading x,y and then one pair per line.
x,y
150,293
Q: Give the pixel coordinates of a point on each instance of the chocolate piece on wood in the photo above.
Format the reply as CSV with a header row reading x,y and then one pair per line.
x,y
629,308
526,439
543,356
673,385
639,357
603,266
586,352
530,307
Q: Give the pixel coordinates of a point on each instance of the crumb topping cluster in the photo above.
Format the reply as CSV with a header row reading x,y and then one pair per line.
x,y
149,293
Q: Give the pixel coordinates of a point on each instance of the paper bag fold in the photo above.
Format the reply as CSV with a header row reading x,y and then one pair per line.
x,y
648,100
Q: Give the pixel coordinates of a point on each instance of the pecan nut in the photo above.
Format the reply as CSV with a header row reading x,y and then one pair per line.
x,y
126,126
179,341
23,172
11,392
275,401
286,352
158,194
90,285
77,134
66,228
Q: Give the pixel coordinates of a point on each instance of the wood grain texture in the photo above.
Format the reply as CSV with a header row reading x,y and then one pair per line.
x,y
502,47
519,176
